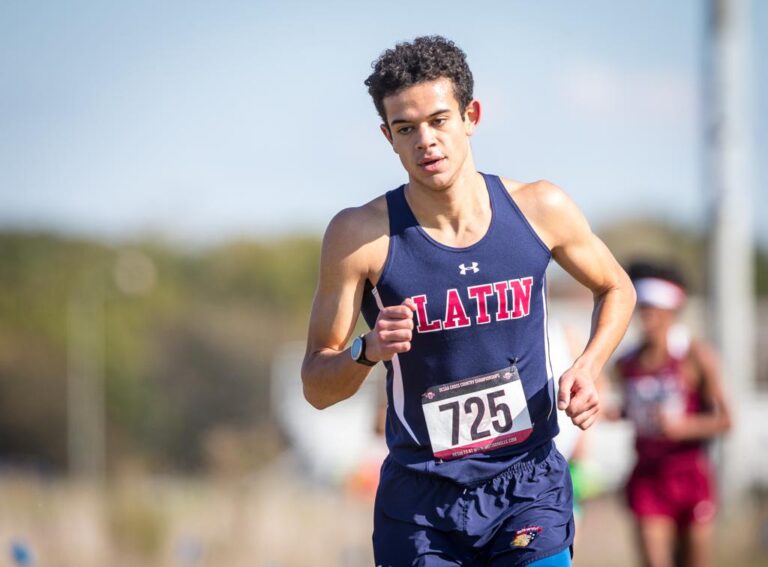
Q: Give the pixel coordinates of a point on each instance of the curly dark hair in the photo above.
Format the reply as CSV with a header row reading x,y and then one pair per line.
x,y
642,268
426,58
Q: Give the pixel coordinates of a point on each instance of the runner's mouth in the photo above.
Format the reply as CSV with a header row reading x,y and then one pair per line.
x,y
430,162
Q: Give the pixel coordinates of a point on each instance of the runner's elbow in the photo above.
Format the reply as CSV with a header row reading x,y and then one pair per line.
x,y
321,397
317,397
311,393
316,401
624,284
632,297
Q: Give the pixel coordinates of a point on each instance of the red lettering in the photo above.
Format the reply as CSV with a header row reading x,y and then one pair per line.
x,y
455,315
508,307
479,293
521,296
423,324
501,299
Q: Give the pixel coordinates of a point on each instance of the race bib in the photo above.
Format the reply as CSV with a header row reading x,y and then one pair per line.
x,y
477,414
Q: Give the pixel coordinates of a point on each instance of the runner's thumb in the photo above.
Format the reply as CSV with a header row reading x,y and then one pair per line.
x,y
564,391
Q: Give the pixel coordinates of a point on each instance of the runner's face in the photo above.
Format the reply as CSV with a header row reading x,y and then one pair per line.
x,y
656,321
429,133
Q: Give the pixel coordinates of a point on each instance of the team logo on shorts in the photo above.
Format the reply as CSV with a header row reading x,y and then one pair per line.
x,y
524,537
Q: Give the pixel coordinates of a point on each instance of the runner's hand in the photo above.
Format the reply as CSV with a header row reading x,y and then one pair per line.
x,y
392,333
672,428
578,397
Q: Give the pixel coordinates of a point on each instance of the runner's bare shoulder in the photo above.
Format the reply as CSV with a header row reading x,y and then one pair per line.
x,y
358,237
546,206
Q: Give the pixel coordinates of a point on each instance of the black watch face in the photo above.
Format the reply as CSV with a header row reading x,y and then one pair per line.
x,y
357,348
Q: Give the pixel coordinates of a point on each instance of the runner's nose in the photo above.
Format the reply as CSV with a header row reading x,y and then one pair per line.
x,y
425,137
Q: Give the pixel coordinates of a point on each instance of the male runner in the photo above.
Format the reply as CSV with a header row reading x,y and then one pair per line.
x,y
674,397
449,273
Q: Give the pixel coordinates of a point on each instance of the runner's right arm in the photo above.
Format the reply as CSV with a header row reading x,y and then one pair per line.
x,y
354,249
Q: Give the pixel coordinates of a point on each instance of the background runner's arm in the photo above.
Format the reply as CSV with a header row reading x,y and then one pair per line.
x,y
716,418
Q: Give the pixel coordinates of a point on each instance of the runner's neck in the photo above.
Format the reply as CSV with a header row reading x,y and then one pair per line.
x,y
462,208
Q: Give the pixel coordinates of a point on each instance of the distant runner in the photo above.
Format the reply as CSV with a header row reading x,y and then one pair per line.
x,y
673,396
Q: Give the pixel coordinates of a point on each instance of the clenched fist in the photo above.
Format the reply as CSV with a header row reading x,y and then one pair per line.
x,y
392,333
577,396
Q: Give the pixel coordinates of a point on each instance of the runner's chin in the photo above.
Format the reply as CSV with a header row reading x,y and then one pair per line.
x,y
436,178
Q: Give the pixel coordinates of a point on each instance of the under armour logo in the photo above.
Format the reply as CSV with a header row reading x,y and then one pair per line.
x,y
473,267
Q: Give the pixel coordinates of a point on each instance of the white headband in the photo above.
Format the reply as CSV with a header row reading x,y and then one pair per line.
x,y
659,293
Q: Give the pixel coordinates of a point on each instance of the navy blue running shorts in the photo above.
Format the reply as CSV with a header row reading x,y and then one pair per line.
x,y
520,516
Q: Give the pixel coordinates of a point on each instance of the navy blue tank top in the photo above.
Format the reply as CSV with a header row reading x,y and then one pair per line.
x,y
475,392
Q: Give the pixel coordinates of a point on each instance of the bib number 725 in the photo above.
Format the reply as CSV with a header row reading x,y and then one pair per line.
x,y
502,424
476,414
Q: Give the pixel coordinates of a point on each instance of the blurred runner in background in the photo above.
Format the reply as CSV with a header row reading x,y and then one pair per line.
x,y
674,397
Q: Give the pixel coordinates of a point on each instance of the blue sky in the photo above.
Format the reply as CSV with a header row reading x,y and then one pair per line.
x,y
202,121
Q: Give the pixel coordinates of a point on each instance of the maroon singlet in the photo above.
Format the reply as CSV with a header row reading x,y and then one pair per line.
x,y
671,478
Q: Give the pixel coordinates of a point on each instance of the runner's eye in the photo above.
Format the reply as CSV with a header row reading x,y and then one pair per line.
x,y
405,130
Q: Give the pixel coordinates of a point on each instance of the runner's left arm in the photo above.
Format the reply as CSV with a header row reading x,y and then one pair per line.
x,y
585,257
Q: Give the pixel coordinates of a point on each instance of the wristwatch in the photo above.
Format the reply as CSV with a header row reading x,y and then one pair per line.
x,y
358,351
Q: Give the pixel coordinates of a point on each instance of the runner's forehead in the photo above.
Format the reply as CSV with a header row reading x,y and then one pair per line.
x,y
421,101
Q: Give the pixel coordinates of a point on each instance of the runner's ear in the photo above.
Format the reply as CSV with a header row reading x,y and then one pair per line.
x,y
387,132
472,116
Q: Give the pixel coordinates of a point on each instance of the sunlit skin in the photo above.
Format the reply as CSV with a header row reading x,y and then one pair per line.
x,y
431,135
